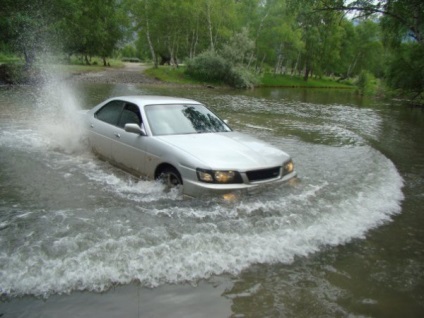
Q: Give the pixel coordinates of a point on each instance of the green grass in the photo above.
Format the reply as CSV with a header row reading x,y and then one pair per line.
x,y
8,58
171,75
295,81
74,69
177,75
76,65
95,61
78,68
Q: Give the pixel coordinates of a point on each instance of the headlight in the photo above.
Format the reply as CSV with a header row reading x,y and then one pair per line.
x,y
288,167
218,176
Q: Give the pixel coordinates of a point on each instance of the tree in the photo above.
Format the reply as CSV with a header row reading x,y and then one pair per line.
x,y
85,27
402,23
406,71
400,17
273,29
178,29
369,51
322,35
239,48
93,28
30,26
218,15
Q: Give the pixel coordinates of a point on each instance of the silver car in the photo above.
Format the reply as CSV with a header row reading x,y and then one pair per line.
x,y
184,144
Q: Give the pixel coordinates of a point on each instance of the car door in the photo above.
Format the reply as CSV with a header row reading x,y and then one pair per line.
x,y
129,149
103,126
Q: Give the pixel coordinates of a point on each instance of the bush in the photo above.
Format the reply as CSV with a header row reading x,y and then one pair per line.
x,y
405,71
240,77
366,83
208,67
11,73
18,74
211,67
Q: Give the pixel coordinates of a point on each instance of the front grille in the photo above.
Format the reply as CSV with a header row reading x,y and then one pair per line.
x,y
263,174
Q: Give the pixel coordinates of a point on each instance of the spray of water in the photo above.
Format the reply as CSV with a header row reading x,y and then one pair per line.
x,y
60,119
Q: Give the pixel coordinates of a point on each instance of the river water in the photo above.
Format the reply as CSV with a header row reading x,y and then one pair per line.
x,y
79,237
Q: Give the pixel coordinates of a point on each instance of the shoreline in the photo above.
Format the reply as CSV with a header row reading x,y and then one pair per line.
x,y
132,73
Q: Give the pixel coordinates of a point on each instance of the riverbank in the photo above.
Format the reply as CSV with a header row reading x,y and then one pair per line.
x,y
129,73
142,73
178,76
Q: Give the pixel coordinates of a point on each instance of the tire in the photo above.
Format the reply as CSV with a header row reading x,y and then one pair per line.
x,y
170,177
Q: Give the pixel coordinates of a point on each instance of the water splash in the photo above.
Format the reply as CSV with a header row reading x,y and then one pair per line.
x,y
101,227
59,119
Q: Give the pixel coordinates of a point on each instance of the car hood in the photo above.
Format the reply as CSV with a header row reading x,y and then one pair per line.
x,y
229,150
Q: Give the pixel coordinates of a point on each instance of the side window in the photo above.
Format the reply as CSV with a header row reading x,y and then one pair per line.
x,y
130,115
110,112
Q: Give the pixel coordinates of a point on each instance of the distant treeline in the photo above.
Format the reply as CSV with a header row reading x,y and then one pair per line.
x,y
300,37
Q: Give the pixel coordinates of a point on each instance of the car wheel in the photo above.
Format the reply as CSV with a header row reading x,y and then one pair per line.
x,y
170,177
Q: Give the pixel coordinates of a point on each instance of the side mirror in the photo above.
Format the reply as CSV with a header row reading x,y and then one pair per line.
x,y
134,128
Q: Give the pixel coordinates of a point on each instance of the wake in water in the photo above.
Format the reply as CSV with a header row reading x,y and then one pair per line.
x,y
80,224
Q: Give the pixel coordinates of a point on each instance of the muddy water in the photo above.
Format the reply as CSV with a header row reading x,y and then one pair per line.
x,y
80,237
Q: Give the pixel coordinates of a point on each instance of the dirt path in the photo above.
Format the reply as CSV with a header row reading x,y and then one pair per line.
x,y
131,73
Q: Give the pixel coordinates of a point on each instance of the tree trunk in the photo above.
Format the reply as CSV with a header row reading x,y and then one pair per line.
x,y
193,43
152,50
353,65
297,63
307,71
210,28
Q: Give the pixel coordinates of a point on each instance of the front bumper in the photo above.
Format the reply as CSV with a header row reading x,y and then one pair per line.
x,y
194,188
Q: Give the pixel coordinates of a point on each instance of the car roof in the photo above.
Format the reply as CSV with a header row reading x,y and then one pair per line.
x,y
143,100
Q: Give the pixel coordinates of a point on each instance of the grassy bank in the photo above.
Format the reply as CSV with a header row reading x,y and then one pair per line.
x,y
77,66
177,75
272,80
14,71
77,69
171,75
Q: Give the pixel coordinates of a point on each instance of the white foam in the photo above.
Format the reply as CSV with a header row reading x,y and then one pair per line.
x,y
132,230
59,121
200,239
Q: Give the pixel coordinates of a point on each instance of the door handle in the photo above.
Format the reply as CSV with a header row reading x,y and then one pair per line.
x,y
117,135
91,125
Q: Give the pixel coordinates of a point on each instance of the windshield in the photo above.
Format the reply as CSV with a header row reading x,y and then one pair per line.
x,y
183,119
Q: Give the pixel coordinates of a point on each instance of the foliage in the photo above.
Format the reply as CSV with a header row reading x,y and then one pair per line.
x,y
402,26
34,28
211,67
241,77
406,70
18,74
365,83
93,28
129,51
312,38
208,67
6,57
238,49
29,26
171,74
